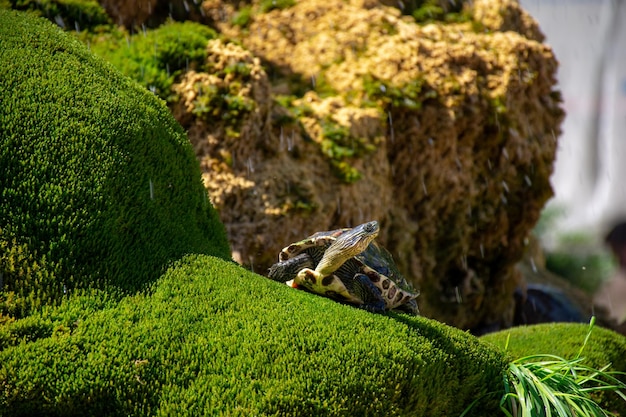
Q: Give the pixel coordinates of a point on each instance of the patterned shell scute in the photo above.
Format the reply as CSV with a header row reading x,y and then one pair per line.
x,y
380,260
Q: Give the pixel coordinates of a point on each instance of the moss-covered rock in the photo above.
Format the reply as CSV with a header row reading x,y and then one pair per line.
x,y
99,184
604,347
213,338
443,131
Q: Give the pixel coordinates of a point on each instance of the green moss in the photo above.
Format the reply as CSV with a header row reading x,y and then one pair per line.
x,y
156,57
339,146
604,347
295,111
243,17
99,184
269,5
384,95
223,100
584,269
213,338
322,87
428,11
31,280
71,14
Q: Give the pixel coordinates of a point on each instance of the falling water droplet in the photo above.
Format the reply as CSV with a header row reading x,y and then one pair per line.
x,y
489,164
249,165
186,6
313,81
59,21
281,145
482,251
424,186
532,265
505,153
290,141
505,186
431,141
528,181
151,190
457,293
391,132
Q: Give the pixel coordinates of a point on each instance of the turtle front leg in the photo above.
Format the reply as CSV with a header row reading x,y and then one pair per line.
x,y
366,290
309,278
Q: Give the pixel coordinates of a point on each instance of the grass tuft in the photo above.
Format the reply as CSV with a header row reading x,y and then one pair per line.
x,y
546,385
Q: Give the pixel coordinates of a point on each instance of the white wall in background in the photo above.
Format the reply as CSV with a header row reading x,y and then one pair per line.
x,y
589,40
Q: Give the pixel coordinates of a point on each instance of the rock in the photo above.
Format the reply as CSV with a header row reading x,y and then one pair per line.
x,y
445,133
129,14
136,15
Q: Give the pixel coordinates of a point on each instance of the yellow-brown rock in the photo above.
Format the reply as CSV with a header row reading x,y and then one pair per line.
x,y
445,133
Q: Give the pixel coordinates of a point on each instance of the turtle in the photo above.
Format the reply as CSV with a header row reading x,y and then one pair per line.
x,y
349,266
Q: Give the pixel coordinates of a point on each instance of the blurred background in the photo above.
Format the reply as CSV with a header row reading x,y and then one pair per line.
x,y
589,40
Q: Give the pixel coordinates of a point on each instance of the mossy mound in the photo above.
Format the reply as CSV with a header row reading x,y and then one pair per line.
x,y
604,347
212,338
99,184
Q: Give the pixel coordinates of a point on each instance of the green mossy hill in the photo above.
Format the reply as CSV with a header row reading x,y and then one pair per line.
x,y
99,183
604,347
212,338
156,57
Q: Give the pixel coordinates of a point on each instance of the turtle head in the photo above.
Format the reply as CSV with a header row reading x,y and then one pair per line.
x,y
349,244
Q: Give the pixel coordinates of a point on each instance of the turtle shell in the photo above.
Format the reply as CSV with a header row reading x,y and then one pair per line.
x,y
375,262
379,266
